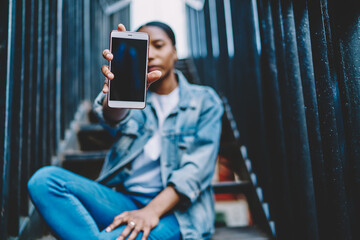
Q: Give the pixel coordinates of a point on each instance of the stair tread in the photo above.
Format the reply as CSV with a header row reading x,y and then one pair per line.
x,y
235,233
231,186
84,155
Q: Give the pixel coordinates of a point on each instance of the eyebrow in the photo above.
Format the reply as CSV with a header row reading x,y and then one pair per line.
x,y
157,40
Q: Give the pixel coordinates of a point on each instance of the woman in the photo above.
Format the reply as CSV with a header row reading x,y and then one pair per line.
x,y
161,164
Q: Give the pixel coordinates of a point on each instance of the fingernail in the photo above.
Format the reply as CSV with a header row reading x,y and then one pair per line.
x,y
108,55
108,229
110,75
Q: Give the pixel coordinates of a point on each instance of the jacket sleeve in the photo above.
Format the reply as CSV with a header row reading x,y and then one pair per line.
x,y
197,164
112,127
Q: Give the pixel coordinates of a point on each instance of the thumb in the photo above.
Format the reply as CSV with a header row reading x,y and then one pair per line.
x,y
153,76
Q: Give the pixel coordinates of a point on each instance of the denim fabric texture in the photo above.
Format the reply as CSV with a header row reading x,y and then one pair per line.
x,y
77,208
190,142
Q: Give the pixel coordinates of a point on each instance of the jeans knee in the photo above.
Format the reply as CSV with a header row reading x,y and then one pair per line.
x,y
40,178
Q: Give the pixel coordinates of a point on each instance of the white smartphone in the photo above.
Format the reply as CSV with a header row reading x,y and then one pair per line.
x,y
129,66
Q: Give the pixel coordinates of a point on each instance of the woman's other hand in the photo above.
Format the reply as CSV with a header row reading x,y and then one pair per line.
x,y
142,220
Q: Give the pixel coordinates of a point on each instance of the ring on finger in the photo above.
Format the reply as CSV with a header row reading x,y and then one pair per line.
x,y
132,224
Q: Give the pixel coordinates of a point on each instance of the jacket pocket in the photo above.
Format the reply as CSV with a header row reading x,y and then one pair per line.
x,y
186,142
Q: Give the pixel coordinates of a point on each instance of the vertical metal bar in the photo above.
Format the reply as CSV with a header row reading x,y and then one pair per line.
x,y
221,30
39,89
72,83
256,24
239,17
26,63
197,32
52,80
345,23
59,44
229,28
69,90
300,171
45,83
80,29
34,60
205,45
32,101
87,48
65,69
95,79
74,40
6,152
78,70
188,21
194,47
280,207
16,124
207,26
222,66
202,34
80,9
208,76
75,67
214,28
211,7
4,31
4,18
311,108
64,66
230,93
338,217
51,76
286,230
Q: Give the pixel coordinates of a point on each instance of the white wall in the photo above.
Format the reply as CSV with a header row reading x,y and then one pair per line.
x,y
171,12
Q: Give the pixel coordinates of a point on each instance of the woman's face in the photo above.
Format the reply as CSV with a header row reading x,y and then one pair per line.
x,y
162,54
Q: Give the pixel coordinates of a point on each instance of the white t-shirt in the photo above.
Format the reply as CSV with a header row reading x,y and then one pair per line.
x,y
146,175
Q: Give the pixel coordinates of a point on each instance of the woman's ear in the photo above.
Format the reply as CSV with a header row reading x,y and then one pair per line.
x,y
175,54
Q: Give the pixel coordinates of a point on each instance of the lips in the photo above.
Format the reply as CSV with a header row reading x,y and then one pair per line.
x,y
153,68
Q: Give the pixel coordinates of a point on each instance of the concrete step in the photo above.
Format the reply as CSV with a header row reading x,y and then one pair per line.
x,y
47,237
236,233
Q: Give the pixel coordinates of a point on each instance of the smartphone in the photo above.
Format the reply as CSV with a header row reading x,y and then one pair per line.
x,y
129,66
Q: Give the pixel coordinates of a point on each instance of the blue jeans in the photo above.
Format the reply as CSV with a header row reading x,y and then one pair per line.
x,y
75,207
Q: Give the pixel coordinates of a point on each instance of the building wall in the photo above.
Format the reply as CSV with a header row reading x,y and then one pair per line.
x,y
171,12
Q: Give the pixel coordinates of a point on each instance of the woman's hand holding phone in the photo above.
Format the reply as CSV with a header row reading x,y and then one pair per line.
x,y
117,114
151,76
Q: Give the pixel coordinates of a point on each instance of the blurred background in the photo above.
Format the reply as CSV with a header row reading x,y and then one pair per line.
x,y
288,73
171,12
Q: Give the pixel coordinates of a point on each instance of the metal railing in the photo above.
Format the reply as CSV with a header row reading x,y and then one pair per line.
x,y
291,72
50,56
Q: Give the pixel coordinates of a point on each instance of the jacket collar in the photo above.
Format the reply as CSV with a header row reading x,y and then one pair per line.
x,y
185,97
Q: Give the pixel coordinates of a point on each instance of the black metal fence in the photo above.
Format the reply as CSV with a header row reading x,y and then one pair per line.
x,y
291,72
50,56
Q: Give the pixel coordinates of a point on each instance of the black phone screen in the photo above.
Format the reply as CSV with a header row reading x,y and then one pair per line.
x,y
129,69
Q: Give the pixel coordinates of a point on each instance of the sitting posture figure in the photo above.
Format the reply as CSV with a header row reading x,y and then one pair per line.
x,y
156,179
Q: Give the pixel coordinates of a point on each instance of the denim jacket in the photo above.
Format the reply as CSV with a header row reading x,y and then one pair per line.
x,y
190,142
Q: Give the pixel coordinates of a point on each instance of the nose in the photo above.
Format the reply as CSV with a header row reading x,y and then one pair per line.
x,y
151,53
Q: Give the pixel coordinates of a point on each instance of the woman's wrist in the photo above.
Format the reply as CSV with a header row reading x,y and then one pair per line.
x,y
164,202
113,114
152,211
